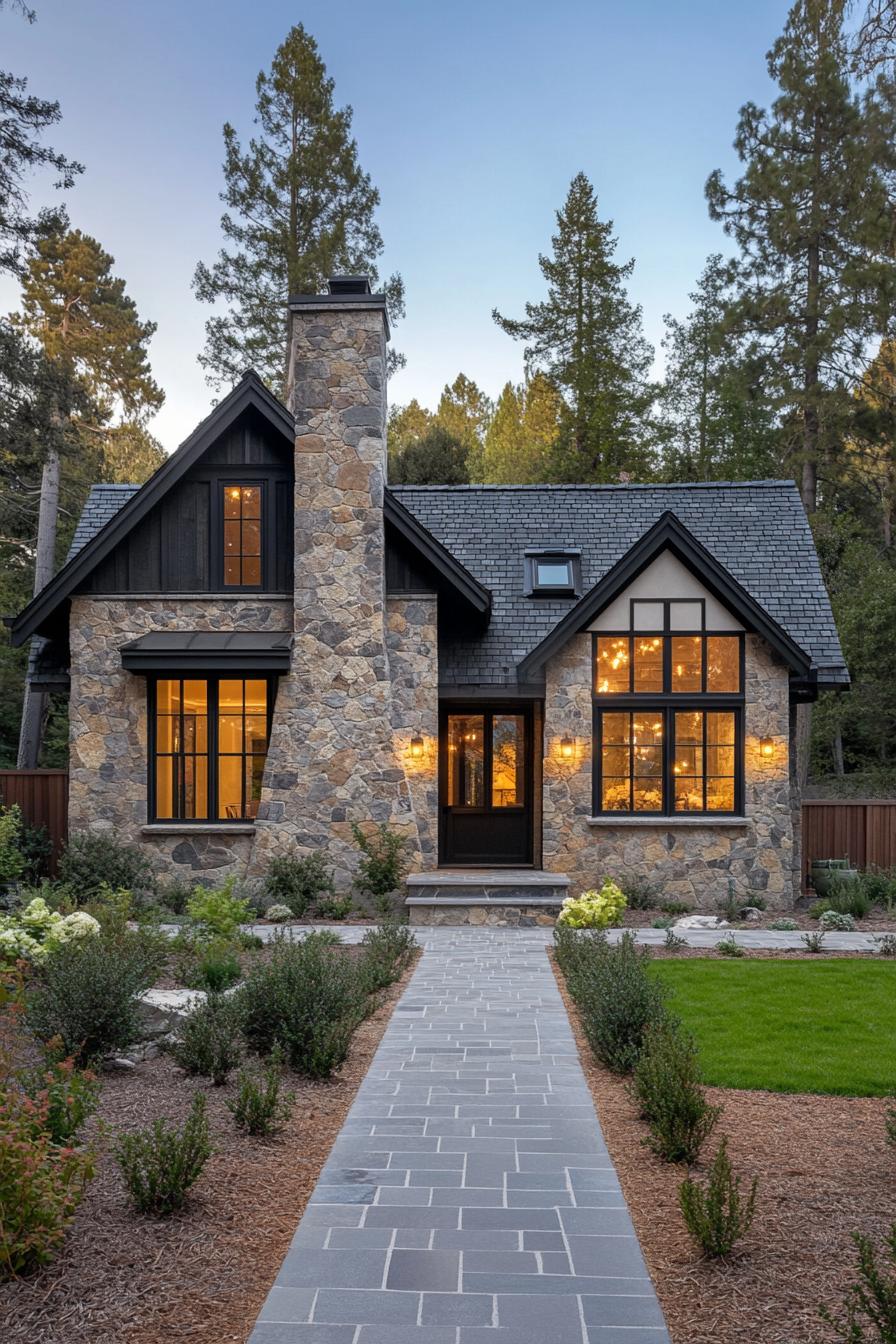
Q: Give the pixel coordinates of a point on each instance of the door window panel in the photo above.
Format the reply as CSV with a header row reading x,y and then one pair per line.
x,y
466,760
508,760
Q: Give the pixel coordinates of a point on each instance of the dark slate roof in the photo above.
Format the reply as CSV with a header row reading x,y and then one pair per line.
x,y
757,530
103,503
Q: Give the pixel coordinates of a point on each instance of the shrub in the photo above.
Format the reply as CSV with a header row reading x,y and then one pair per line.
x,y
35,847
278,914
730,947
217,968
86,993
298,882
639,893
92,860
382,866
672,942
783,925
663,922
175,894
880,886
334,907
667,1088
871,1299
595,909
41,1183
306,1000
12,860
850,897
35,931
886,944
814,941
385,952
209,1041
675,908
66,1096
617,998
217,912
833,921
715,1214
162,1163
817,909
259,1107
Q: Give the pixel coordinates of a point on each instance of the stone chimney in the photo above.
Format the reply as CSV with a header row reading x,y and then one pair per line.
x,y
332,758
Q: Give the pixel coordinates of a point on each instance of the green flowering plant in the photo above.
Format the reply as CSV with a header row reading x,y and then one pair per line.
x,y
37,930
595,909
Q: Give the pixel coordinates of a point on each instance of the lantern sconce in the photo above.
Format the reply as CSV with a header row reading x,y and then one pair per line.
x,y
416,747
766,748
567,748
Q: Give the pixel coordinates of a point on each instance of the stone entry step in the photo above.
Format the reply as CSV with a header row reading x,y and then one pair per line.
x,y
498,897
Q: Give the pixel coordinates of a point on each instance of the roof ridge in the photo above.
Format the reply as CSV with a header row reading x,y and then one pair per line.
x,y
767,483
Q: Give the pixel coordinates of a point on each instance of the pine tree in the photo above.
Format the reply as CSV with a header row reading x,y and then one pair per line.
x,y
716,420
437,458
812,218
465,411
23,120
586,336
299,209
523,433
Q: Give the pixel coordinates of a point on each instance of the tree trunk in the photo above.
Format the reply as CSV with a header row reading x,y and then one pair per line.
x,y
811,370
838,752
36,703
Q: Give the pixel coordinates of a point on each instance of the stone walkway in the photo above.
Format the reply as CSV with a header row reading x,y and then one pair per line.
x,y
469,1198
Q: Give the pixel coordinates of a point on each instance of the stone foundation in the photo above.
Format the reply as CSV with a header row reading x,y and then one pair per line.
x,y
491,915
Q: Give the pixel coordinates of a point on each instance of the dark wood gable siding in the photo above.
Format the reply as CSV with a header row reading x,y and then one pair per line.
x,y
173,549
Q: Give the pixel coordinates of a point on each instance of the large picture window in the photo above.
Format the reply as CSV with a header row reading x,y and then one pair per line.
x,y
209,742
668,714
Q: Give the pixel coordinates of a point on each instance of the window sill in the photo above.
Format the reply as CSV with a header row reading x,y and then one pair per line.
x,y
668,823
198,828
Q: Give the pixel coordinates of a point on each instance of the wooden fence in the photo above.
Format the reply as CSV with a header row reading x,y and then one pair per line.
x,y
42,796
862,830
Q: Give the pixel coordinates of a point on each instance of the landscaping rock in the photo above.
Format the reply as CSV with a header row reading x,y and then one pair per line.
x,y
701,922
751,913
118,1065
161,1010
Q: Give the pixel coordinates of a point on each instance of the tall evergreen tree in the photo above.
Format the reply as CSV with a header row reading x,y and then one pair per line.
x,y
299,209
523,433
812,218
23,120
586,336
717,422
436,458
465,411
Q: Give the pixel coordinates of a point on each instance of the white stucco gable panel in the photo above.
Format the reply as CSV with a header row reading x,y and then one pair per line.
x,y
665,577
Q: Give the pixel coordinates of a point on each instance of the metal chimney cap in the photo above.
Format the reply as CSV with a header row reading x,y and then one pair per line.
x,y
349,284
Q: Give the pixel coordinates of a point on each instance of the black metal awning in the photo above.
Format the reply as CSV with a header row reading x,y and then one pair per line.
x,y
209,651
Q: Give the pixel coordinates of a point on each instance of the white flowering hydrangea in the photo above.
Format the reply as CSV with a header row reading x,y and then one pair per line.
x,y
33,932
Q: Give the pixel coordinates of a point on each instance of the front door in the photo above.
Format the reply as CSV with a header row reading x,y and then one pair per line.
x,y
485,785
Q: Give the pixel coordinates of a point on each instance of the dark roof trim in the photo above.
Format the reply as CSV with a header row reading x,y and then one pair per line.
x,y
668,533
451,570
250,391
243,651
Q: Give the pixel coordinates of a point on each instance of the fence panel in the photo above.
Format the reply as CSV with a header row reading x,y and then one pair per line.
x,y
42,796
864,830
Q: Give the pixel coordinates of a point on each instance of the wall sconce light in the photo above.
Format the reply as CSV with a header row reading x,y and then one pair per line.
x,y
416,747
766,747
567,748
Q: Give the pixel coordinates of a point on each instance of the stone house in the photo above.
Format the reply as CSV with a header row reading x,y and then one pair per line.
x,y
539,685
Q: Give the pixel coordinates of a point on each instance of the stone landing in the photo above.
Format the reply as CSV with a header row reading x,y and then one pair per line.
x,y
500,898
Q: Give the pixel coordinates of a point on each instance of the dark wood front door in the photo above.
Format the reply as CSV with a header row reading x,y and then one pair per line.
x,y
485,785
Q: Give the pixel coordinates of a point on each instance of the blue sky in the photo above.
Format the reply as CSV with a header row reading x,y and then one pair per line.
x,y
470,117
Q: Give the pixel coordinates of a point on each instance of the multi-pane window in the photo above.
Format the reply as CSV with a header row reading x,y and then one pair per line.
x,y
486,765
242,536
209,748
668,697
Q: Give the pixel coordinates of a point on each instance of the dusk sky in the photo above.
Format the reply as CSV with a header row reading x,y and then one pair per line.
x,y
470,117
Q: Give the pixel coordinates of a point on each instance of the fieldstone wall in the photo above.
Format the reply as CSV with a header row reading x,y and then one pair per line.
x,y
694,863
333,758
412,643
108,723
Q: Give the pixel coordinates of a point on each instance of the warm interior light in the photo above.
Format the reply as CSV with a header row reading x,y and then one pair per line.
x,y
417,746
766,747
567,747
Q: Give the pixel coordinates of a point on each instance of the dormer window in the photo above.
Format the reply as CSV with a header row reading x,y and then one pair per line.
x,y
242,535
553,573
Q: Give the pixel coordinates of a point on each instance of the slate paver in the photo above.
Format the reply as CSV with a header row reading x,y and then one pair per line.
x,y
469,1198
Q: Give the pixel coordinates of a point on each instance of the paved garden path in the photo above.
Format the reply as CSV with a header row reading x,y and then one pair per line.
x,y
469,1198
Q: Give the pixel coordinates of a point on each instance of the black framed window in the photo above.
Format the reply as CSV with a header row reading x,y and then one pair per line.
x,y
668,713
208,745
552,573
242,534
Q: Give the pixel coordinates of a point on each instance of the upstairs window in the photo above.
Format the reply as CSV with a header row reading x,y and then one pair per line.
x,y
242,535
554,573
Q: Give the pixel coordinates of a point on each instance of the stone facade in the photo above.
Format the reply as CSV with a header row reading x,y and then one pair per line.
x,y
108,724
333,756
412,642
697,863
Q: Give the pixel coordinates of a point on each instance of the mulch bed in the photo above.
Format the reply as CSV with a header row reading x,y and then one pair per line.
x,y
825,1171
203,1274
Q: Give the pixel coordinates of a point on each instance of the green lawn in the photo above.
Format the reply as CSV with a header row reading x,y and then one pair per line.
x,y
800,1026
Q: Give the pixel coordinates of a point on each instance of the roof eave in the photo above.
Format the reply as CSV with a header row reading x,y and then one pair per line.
x,y
448,566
